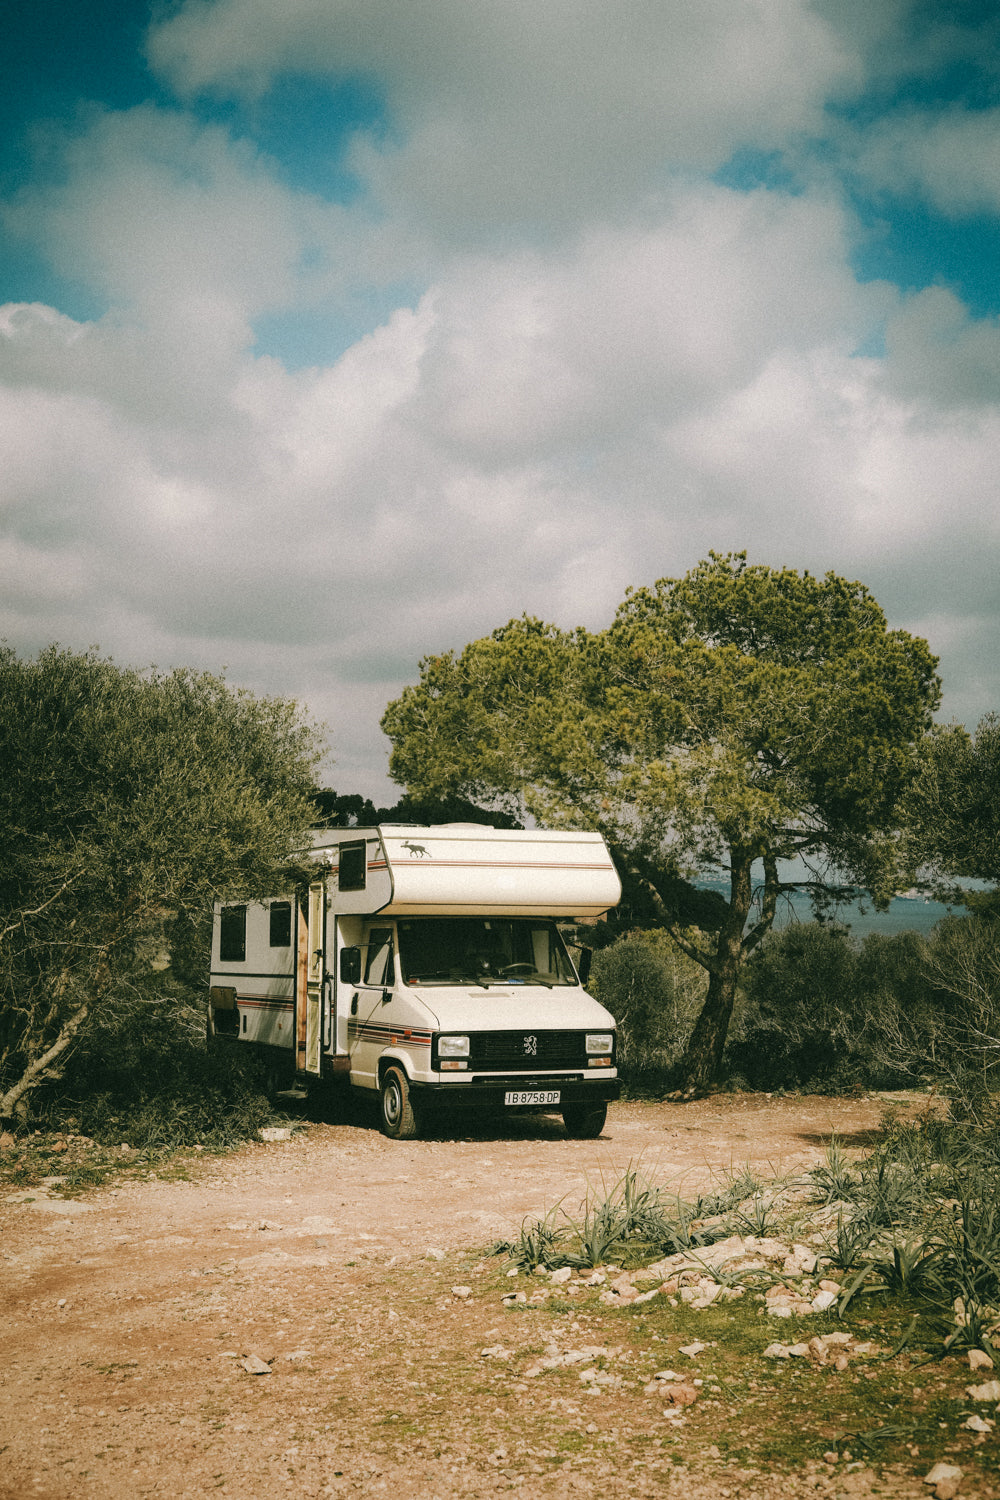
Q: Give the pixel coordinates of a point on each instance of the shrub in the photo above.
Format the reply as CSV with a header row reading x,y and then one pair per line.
x,y
819,1010
654,993
963,964
153,1082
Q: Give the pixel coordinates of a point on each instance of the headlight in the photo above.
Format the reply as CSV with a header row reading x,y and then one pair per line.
x,y
600,1043
453,1046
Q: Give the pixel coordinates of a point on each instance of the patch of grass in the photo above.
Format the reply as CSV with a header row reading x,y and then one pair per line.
x,y
836,1180
630,1222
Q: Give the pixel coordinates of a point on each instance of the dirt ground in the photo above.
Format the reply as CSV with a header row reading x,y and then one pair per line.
x,y
128,1313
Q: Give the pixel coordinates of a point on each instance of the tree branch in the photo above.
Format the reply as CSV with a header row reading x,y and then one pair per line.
x,y
44,1066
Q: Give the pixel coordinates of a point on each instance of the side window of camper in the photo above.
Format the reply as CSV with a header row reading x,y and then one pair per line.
x,y
233,935
353,869
281,924
379,968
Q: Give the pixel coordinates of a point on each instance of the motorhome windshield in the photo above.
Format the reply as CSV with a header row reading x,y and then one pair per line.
x,y
483,950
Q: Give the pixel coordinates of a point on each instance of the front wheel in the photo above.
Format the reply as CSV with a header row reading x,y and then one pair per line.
x,y
584,1122
398,1119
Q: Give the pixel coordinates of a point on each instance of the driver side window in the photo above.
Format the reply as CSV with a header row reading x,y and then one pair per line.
x,y
379,967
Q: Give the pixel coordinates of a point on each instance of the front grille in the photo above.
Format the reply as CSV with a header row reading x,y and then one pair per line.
x,y
526,1051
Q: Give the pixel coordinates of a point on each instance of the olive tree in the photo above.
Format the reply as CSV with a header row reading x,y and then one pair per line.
x,y
129,801
727,721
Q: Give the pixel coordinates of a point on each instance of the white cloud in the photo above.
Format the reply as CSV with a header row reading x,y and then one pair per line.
x,y
554,417
951,160
540,432
568,350
506,112
940,355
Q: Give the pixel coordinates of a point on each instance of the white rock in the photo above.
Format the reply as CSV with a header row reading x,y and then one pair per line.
x,y
275,1133
979,1360
945,1480
254,1365
823,1300
433,1253
564,1273
691,1350
990,1391
979,1424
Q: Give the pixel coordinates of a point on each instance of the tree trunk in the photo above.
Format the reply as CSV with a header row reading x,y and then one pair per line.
x,y
703,1056
43,1067
702,1059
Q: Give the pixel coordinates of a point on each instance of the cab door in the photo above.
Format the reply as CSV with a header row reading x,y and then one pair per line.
x,y
369,1030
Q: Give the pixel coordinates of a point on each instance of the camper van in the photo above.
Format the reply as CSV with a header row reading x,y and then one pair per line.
x,y
425,965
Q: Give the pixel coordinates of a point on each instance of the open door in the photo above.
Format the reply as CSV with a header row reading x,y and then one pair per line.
x,y
309,976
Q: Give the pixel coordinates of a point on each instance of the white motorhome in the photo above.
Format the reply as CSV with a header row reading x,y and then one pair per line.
x,y
425,965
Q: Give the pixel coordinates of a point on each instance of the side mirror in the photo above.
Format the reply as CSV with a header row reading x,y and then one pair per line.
x,y
350,965
583,966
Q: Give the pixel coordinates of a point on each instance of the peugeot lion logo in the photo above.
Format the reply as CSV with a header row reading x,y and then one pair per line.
x,y
531,1046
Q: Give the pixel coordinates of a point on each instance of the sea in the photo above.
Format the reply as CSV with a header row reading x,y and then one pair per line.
x,y
904,913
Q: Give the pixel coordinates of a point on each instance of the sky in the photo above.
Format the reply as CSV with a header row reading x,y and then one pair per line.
x,y
336,333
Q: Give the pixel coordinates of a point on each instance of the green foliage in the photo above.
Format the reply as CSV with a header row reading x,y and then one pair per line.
x,y
738,714
954,807
835,1179
934,1188
131,800
963,965
354,811
149,1079
819,1010
654,993
631,1221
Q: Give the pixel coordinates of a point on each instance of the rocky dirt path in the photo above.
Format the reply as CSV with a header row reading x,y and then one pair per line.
x,y
127,1316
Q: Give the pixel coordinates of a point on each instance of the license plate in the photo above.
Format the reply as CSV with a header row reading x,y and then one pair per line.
x,y
532,1096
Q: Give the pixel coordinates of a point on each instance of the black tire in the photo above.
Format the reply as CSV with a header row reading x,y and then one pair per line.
x,y
397,1117
584,1122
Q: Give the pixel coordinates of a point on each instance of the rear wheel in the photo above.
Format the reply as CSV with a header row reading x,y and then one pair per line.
x,y
584,1122
398,1118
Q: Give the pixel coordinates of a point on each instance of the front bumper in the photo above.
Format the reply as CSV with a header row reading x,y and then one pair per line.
x,y
485,1093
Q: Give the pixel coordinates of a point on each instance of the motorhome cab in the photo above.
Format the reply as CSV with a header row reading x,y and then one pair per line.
x,y
426,966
